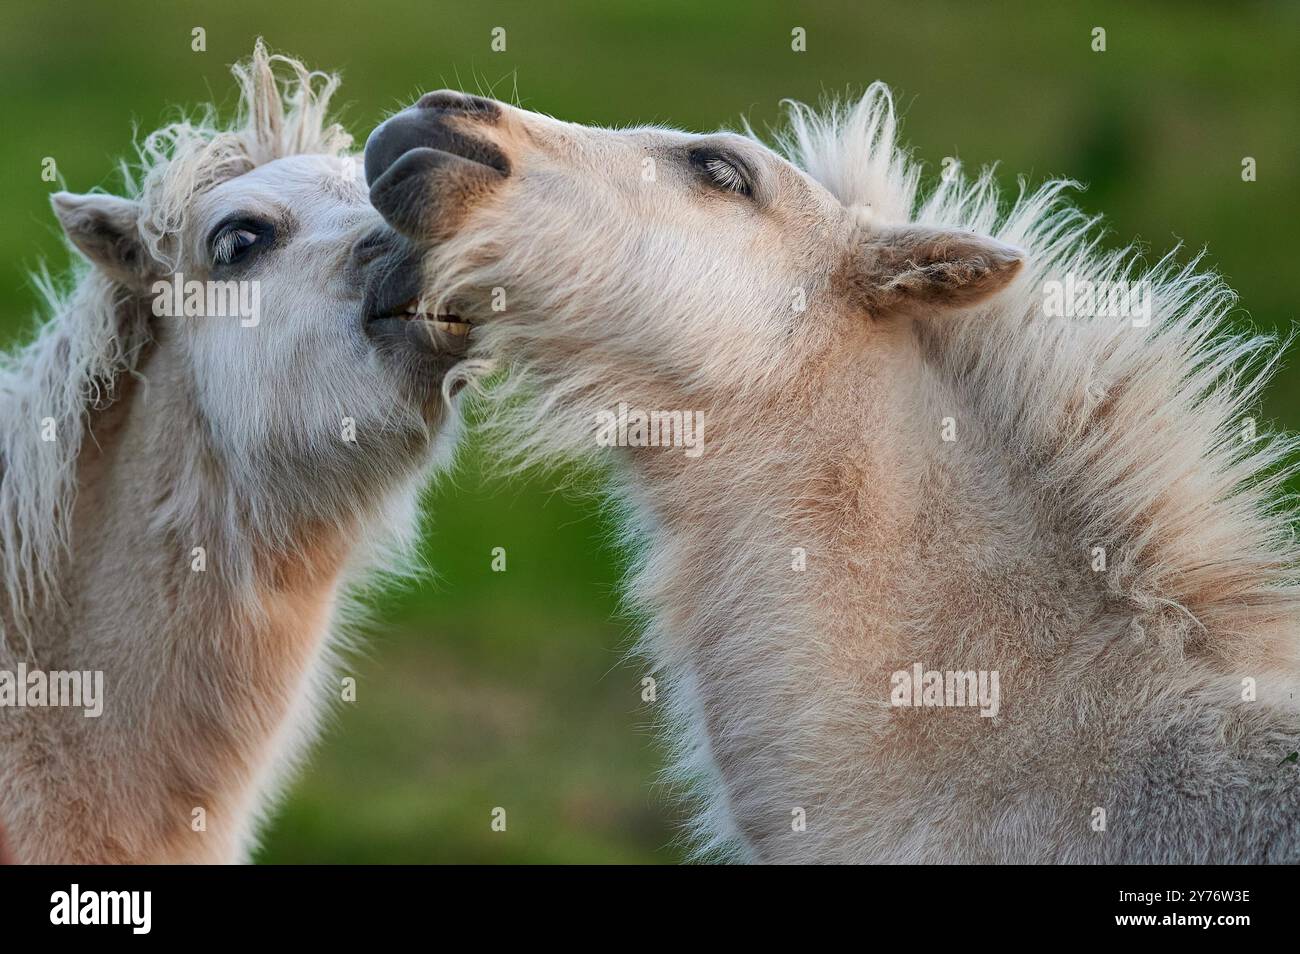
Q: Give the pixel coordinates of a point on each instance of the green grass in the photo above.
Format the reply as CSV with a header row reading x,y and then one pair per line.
x,y
506,689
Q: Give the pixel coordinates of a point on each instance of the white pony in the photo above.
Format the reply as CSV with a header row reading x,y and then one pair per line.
x,y
186,491
955,576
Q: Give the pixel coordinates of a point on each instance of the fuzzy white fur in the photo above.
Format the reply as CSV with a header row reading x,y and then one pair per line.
x,y
176,433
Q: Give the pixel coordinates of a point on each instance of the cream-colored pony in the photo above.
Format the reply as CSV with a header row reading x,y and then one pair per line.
x,y
184,497
957,576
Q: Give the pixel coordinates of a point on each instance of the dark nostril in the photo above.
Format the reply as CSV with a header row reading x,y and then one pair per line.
x,y
452,100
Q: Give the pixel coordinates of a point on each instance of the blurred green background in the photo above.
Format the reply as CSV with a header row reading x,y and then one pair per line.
x,y
484,689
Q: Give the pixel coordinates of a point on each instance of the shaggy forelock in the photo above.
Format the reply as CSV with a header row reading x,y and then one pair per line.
x,y
280,114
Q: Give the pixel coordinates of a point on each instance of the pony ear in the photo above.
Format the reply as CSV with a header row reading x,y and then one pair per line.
x,y
913,268
104,229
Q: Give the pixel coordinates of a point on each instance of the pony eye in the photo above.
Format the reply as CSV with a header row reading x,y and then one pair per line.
x,y
724,172
232,242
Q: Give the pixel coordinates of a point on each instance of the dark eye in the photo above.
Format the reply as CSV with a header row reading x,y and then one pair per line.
x,y
232,241
723,170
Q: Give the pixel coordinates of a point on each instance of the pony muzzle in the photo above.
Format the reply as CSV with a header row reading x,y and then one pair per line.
x,y
430,164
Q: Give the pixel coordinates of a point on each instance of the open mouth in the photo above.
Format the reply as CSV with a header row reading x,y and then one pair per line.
x,y
442,322
412,322
396,316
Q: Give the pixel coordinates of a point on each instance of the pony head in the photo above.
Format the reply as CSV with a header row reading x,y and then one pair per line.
x,y
669,262
251,307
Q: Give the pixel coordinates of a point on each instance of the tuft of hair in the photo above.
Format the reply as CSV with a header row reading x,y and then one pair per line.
x,y
49,387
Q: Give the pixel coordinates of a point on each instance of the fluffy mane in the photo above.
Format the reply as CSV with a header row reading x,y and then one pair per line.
x,y
90,340
1140,437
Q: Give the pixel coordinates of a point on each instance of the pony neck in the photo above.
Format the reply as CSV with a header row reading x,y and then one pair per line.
x,y
208,644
